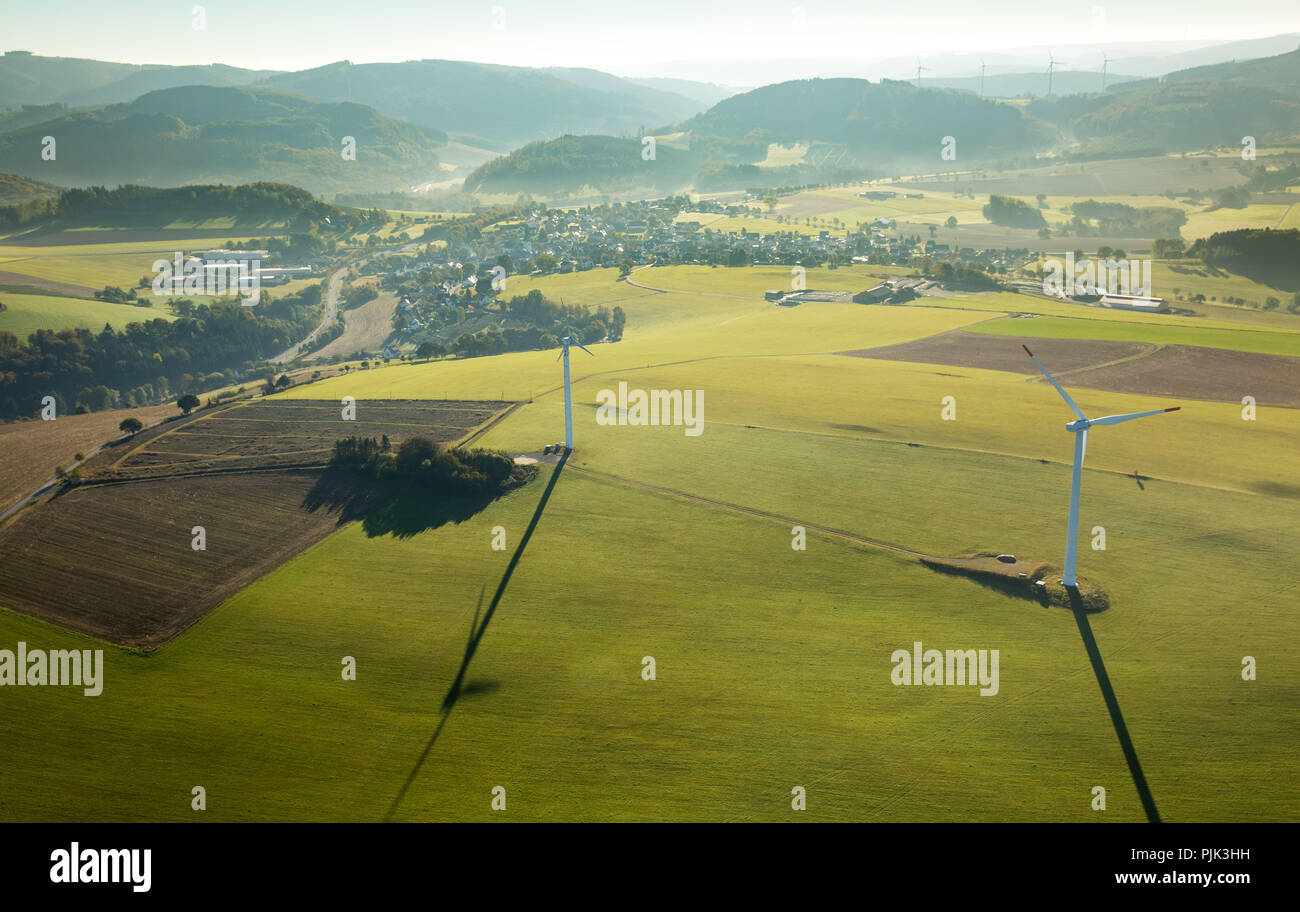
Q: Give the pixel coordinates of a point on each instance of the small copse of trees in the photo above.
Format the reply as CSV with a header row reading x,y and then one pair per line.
x,y
420,461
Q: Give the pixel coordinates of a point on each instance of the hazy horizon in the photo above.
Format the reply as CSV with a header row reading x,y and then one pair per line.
x,y
647,41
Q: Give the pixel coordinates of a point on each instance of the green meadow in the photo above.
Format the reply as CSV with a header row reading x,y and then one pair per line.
x,y
26,313
772,667
96,264
1264,341
772,664
753,281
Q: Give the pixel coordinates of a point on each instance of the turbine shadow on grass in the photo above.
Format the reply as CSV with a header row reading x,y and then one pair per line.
x,y
1112,704
476,635
459,688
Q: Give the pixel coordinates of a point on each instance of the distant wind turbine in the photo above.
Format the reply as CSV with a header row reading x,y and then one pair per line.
x,y
981,77
919,68
1051,67
1080,429
1104,61
568,389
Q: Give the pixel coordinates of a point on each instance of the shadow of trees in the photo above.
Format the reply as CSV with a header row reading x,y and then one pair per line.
x,y
396,508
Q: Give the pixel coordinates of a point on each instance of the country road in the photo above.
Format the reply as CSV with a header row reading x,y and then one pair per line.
x,y
331,314
76,463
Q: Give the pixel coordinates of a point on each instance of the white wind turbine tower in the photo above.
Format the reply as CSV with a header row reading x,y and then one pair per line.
x,y
1051,66
1080,429
568,390
919,68
981,77
1104,61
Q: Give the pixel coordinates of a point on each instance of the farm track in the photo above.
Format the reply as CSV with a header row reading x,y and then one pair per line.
x,y
314,466
1150,350
755,512
496,419
705,294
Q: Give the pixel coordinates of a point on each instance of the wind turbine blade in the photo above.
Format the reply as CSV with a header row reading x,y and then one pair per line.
x,y
560,355
1083,447
583,347
1119,419
1064,395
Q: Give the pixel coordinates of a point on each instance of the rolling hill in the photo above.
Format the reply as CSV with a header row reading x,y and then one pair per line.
x,y
568,164
32,79
1187,110
500,103
15,190
203,134
858,127
889,120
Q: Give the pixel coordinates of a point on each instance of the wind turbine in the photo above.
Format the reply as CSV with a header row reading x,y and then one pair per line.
x,y
981,77
568,390
1104,61
1051,67
1080,429
919,68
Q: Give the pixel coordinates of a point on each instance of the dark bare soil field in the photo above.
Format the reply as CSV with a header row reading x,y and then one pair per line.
x,y
1178,371
18,280
112,557
116,562
1191,372
266,433
31,450
1006,353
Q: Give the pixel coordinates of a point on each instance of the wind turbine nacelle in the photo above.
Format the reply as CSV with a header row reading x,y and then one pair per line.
x,y
1081,425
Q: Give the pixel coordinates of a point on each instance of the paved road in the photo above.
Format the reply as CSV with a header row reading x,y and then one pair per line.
x,y
332,301
53,481
331,314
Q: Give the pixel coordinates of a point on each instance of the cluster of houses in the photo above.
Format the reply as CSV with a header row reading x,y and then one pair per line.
x,y
676,231
664,232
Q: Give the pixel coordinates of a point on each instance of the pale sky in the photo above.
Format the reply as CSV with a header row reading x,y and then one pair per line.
x,y
615,35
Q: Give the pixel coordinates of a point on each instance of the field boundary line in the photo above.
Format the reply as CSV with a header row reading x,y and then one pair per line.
x,y
1286,213
952,449
237,470
492,422
753,511
198,416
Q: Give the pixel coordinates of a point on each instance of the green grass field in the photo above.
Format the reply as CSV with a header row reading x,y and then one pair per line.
x,y
772,668
96,265
24,313
1272,343
773,665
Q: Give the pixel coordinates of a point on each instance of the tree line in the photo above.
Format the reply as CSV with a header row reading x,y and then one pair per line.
x,y
148,362
132,202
